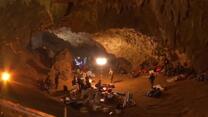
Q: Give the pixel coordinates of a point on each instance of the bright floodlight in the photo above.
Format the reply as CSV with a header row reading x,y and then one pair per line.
x,y
101,61
5,76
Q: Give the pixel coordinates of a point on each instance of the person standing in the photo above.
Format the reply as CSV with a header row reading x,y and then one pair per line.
x,y
47,84
57,80
87,82
98,85
111,74
152,78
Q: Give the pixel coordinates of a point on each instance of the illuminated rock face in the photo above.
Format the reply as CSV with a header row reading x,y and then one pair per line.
x,y
180,24
62,65
128,44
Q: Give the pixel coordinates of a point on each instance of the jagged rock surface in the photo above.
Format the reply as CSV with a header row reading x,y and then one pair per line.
x,y
127,44
62,66
179,24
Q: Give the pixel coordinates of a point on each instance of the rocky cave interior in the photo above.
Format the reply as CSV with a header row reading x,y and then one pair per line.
x,y
40,36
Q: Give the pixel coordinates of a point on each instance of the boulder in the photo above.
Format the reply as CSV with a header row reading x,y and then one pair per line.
x,y
62,65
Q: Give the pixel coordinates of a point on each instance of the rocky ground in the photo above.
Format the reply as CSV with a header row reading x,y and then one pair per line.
x,y
184,98
181,99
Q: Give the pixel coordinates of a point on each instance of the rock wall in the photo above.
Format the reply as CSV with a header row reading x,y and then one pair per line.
x,y
19,18
127,44
181,24
62,66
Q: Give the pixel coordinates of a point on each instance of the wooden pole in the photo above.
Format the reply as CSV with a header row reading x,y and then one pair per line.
x,y
65,111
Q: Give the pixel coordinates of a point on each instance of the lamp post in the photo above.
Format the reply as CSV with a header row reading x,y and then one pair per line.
x,y
66,102
101,61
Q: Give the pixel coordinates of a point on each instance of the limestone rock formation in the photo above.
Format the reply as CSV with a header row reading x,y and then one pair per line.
x,y
20,18
128,44
62,65
178,24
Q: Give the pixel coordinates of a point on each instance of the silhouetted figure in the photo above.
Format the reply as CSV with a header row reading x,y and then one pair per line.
x,y
65,89
48,81
111,74
82,85
57,80
152,79
88,84
98,85
75,80
47,84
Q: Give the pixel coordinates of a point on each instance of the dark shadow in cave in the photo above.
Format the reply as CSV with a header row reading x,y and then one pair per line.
x,y
50,45
69,8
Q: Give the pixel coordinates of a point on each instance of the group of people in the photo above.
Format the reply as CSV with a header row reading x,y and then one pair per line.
x,y
82,79
100,95
169,69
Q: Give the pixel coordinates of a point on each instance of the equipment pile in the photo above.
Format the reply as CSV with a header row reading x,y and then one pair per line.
x,y
101,98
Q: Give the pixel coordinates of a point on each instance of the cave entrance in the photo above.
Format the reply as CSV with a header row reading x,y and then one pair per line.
x,y
48,46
